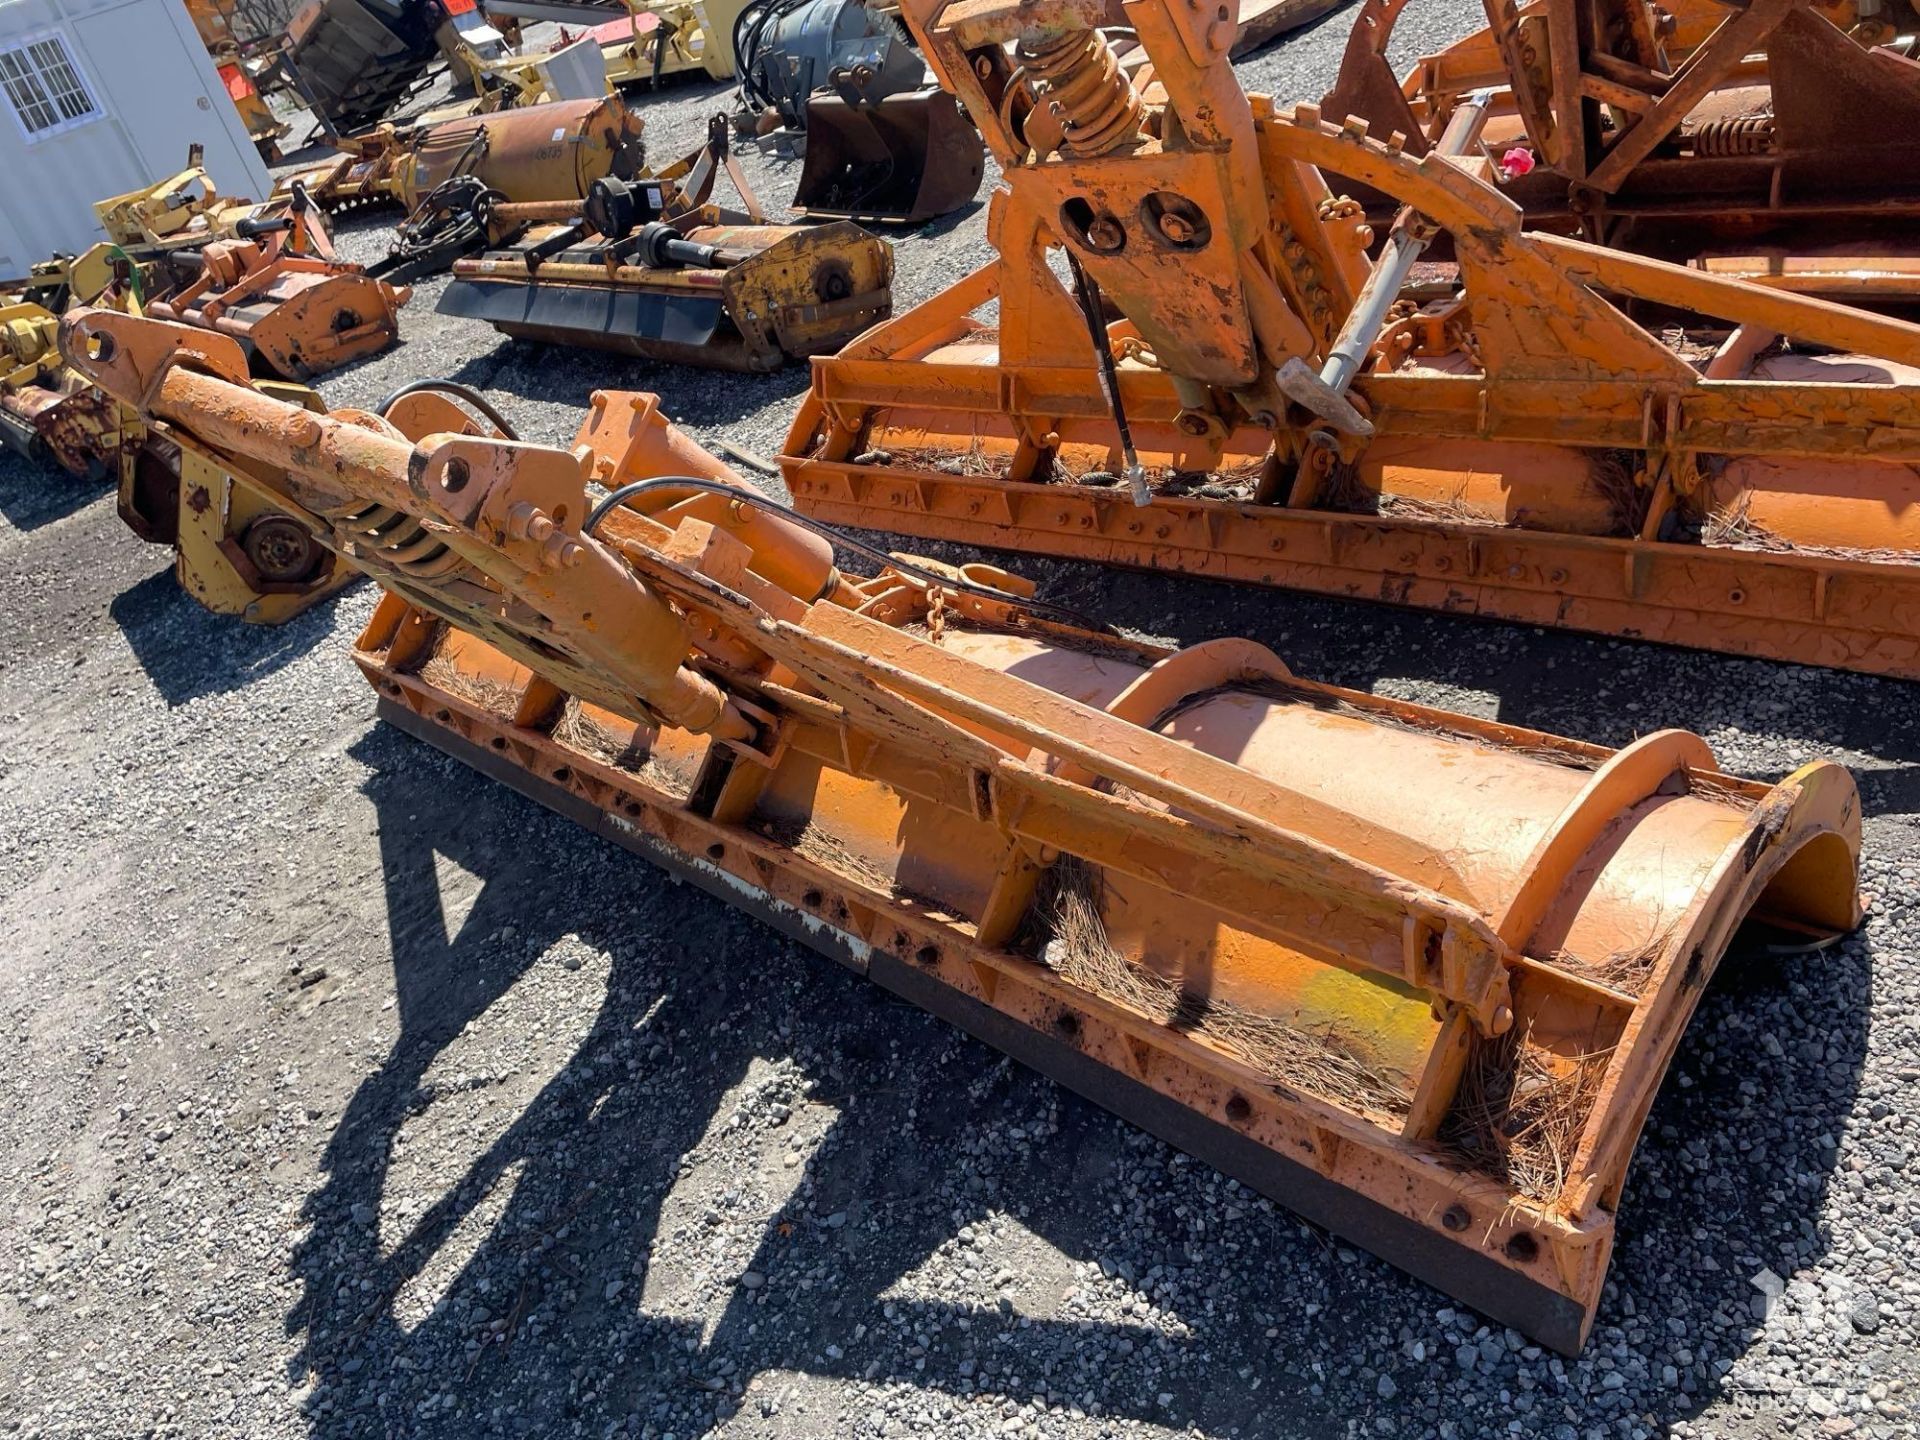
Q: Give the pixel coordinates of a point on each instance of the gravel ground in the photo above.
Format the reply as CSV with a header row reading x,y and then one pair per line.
x,y
346,1093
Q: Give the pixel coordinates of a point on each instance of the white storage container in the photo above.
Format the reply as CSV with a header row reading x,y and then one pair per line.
x,y
99,97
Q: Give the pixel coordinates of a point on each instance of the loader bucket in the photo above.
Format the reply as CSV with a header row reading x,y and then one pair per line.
x,y
1415,974
353,62
906,159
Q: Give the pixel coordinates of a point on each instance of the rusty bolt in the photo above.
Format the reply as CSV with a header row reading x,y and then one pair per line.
x,y
1176,227
1105,235
303,429
1456,1218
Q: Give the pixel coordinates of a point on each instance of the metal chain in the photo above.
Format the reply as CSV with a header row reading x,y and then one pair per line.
x,y
937,614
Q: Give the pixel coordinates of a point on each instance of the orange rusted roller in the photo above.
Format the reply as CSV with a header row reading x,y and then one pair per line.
x,y
549,153
1415,974
538,152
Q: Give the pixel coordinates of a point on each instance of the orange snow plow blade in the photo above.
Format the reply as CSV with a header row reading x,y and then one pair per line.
x,y
1295,399
1441,964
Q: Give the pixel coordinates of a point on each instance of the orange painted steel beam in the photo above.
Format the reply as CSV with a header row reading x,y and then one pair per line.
x,y
1808,609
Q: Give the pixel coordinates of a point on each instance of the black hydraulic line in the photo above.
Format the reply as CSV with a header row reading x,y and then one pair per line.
x,y
836,535
750,29
460,392
1088,291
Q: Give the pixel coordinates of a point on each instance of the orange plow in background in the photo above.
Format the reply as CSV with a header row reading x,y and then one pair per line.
x,y
1194,353
1434,1027
264,275
1678,129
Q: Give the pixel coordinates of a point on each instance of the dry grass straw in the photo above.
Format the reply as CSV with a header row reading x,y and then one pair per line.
x,y
1717,790
1067,908
1733,527
579,731
1520,1109
974,462
632,752
496,697
825,850
1612,474
1344,492
1625,970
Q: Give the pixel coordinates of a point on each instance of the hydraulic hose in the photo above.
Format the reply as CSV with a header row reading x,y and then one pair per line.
x,y
837,536
465,393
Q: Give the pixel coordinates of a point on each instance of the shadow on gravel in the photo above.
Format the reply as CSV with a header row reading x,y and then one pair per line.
x,y
895,232
1259,1323
566,375
187,651
34,495
313,149
1337,21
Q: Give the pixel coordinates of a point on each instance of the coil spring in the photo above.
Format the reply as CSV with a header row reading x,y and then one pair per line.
x,y
1081,80
1737,135
400,541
